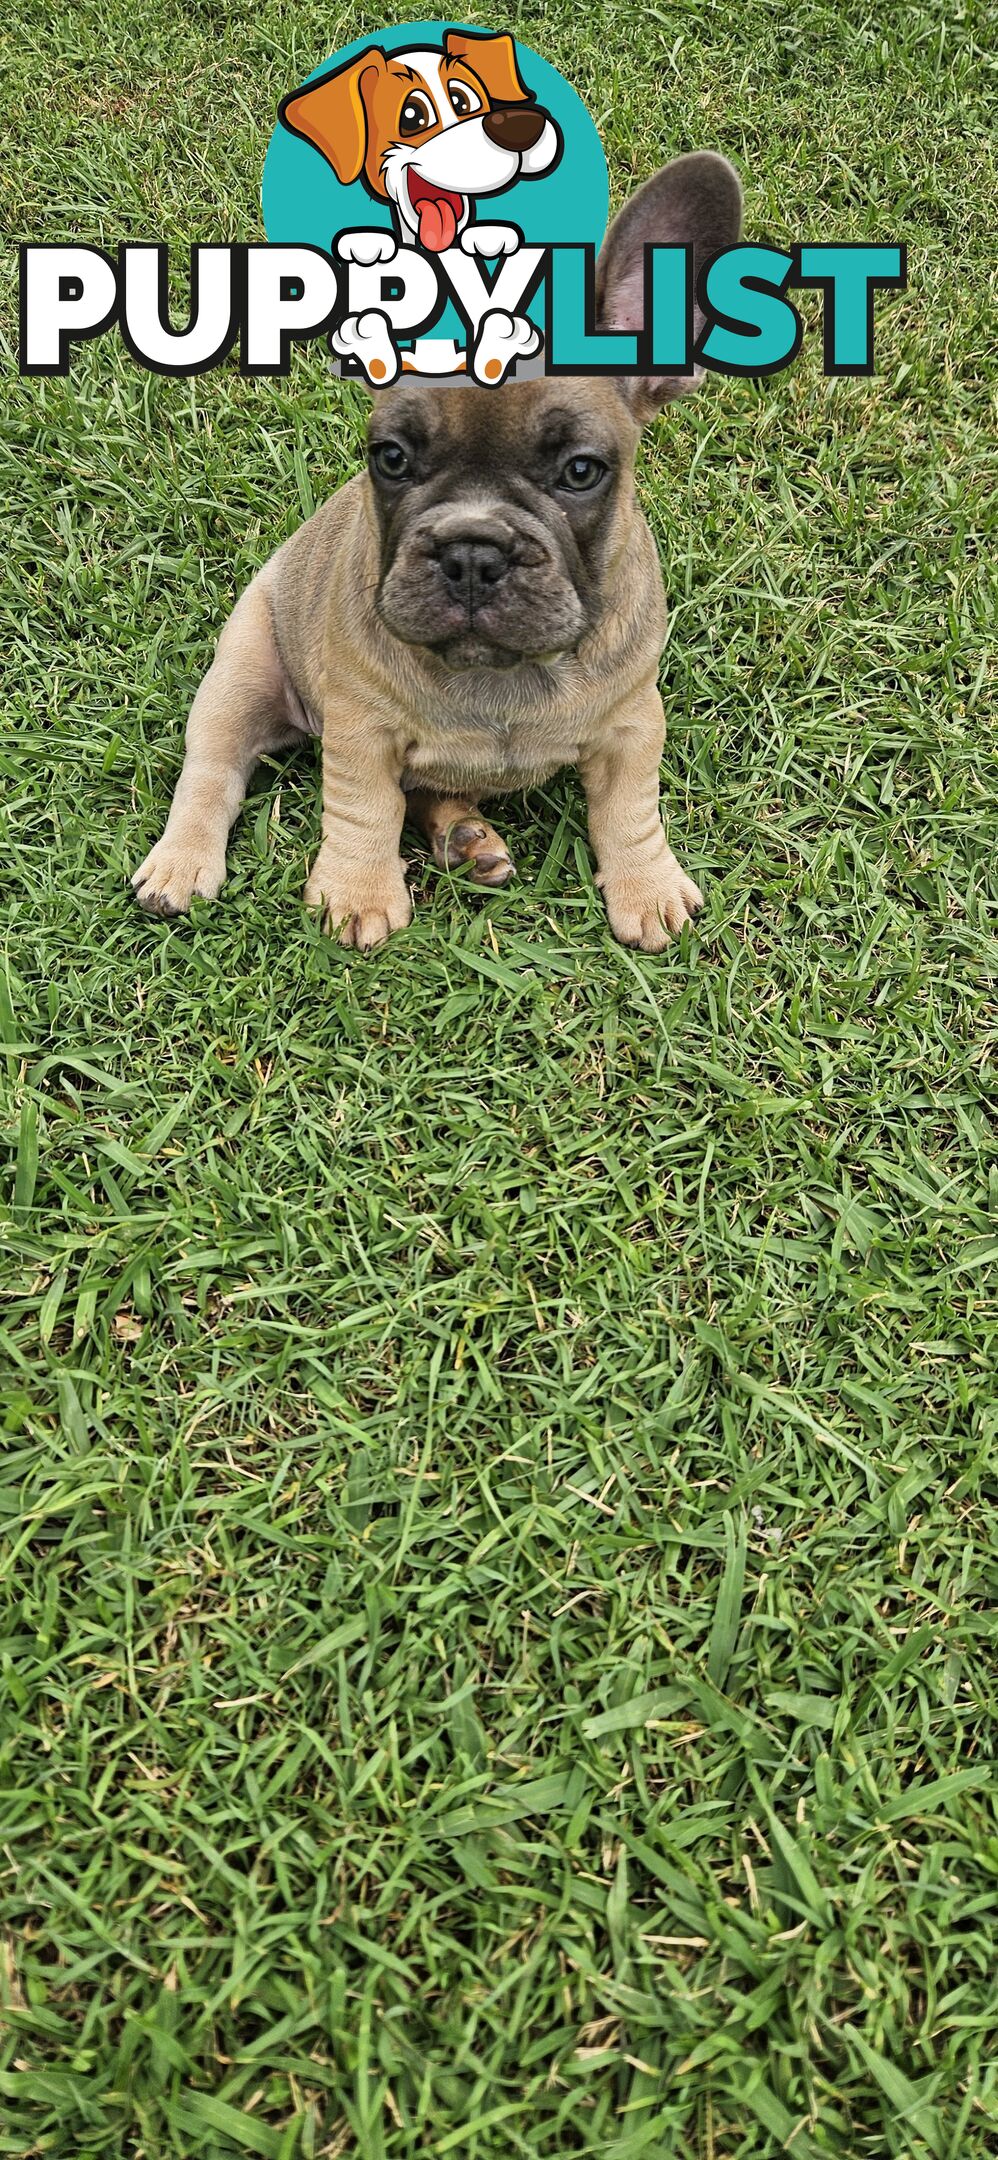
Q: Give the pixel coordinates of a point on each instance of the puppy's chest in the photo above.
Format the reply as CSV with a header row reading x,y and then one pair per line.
x,y
490,755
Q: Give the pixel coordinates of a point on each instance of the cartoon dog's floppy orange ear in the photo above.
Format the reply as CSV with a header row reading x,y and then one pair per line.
x,y
332,112
492,59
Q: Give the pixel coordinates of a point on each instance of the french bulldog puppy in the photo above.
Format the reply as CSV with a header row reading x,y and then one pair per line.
x,y
480,607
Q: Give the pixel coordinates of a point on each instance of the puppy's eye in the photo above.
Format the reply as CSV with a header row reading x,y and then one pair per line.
x,y
463,99
390,461
415,115
581,473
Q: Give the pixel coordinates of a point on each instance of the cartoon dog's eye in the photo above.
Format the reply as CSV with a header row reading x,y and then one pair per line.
x,y
416,114
581,473
463,99
390,461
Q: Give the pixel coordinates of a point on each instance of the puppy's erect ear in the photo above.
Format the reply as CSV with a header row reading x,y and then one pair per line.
x,y
694,202
332,113
492,59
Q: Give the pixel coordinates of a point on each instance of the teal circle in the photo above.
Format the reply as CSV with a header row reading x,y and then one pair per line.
x,y
305,204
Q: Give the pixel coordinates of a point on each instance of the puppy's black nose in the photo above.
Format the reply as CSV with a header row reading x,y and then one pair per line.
x,y
514,127
472,568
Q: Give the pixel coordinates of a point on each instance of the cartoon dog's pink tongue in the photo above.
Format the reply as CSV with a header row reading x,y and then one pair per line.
x,y
437,210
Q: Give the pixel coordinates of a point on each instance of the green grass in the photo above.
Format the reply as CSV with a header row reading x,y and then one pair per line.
x,y
500,1540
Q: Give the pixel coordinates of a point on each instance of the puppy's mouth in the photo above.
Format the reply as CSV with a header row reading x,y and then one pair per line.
x,y
469,649
438,212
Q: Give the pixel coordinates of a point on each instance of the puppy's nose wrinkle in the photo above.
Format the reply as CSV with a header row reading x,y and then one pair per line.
x,y
472,568
514,127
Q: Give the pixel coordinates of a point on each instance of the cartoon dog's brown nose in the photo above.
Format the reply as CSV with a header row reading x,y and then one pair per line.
x,y
514,127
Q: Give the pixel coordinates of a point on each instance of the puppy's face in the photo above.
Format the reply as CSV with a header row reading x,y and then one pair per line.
x,y
499,512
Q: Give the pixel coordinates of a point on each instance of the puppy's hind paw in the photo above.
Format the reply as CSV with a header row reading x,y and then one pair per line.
x,y
479,845
174,873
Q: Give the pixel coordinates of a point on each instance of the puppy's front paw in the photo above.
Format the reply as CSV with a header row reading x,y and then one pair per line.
x,y
648,907
177,871
361,910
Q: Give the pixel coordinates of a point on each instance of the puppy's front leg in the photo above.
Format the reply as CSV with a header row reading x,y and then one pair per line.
x,y
358,877
646,892
240,712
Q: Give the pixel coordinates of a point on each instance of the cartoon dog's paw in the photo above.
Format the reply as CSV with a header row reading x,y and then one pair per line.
x,y
367,247
176,871
360,907
649,907
502,340
368,339
491,240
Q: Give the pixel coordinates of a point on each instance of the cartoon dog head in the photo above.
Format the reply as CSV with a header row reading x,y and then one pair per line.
x,y
428,130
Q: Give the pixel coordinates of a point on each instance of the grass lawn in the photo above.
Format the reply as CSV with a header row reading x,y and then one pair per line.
x,y
499,1500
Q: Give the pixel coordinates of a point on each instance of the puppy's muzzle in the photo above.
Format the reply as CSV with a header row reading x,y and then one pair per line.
x,y
514,127
481,585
